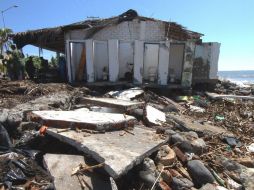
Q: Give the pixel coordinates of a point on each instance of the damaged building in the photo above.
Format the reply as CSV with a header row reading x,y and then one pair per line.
x,y
129,49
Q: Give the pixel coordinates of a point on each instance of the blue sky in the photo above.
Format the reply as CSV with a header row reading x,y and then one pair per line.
x,y
230,22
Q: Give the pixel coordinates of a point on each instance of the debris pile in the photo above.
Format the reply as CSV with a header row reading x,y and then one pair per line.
x,y
127,139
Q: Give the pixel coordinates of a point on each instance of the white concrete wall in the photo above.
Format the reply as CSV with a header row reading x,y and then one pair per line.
x,y
209,52
126,57
215,52
113,48
149,31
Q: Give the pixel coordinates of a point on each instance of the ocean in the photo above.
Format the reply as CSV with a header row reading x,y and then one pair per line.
x,y
238,76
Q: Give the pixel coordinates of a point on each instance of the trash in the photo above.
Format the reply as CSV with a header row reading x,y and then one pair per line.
x,y
232,141
197,109
219,117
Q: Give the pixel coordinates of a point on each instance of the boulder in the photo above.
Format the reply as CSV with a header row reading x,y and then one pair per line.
x,y
199,173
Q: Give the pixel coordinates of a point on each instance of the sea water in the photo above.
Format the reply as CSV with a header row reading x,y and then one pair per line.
x,y
246,77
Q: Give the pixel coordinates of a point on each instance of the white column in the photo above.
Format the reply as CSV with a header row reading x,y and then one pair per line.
x,y
163,63
90,60
214,58
68,59
138,61
113,48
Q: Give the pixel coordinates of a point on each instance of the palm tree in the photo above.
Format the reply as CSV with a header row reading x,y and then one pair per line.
x,y
4,39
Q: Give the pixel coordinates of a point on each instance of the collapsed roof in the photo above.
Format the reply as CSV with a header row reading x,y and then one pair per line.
x,y
53,38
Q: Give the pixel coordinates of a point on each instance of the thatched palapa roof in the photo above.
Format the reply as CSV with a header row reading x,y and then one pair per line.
x,y
53,38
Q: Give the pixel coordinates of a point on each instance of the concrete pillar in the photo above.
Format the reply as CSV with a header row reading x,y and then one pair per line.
x,y
138,62
113,48
214,58
90,60
163,63
188,63
68,60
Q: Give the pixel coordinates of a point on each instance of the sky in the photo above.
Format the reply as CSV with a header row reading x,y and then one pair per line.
x,y
230,22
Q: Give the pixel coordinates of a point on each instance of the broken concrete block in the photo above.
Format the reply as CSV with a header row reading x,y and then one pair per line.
x,y
84,119
119,153
61,166
128,94
124,105
166,156
154,116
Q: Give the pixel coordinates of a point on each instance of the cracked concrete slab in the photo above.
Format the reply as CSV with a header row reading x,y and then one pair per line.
x,y
83,119
60,167
112,102
119,150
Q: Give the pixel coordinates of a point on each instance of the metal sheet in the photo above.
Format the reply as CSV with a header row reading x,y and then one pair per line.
x,y
151,60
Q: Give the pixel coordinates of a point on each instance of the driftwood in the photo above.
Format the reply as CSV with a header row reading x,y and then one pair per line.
x,y
221,96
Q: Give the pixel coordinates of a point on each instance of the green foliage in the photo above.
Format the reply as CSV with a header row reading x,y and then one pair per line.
x,y
4,39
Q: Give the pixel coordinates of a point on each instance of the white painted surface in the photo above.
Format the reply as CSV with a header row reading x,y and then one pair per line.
x,y
176,60
138,62
68,55
101,59
90,61
155,116
163,63
215,52
133,30
126,58
151,61
128,94
209,52
86,117
113,60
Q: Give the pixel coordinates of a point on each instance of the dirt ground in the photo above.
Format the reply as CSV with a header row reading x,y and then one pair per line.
x,y
13,93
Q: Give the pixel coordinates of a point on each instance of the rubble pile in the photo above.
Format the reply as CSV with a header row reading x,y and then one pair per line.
x,y
128,139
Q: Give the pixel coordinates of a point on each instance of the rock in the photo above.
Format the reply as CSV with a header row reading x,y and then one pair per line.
x,y
23,126
238,172
210,186
148,174
5,140
166,155
3,115
198,145
181,183
189,142
234,185
148,177
167,177
199,173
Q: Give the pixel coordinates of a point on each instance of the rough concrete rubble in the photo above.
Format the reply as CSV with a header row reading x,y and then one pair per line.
x,y
180,141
